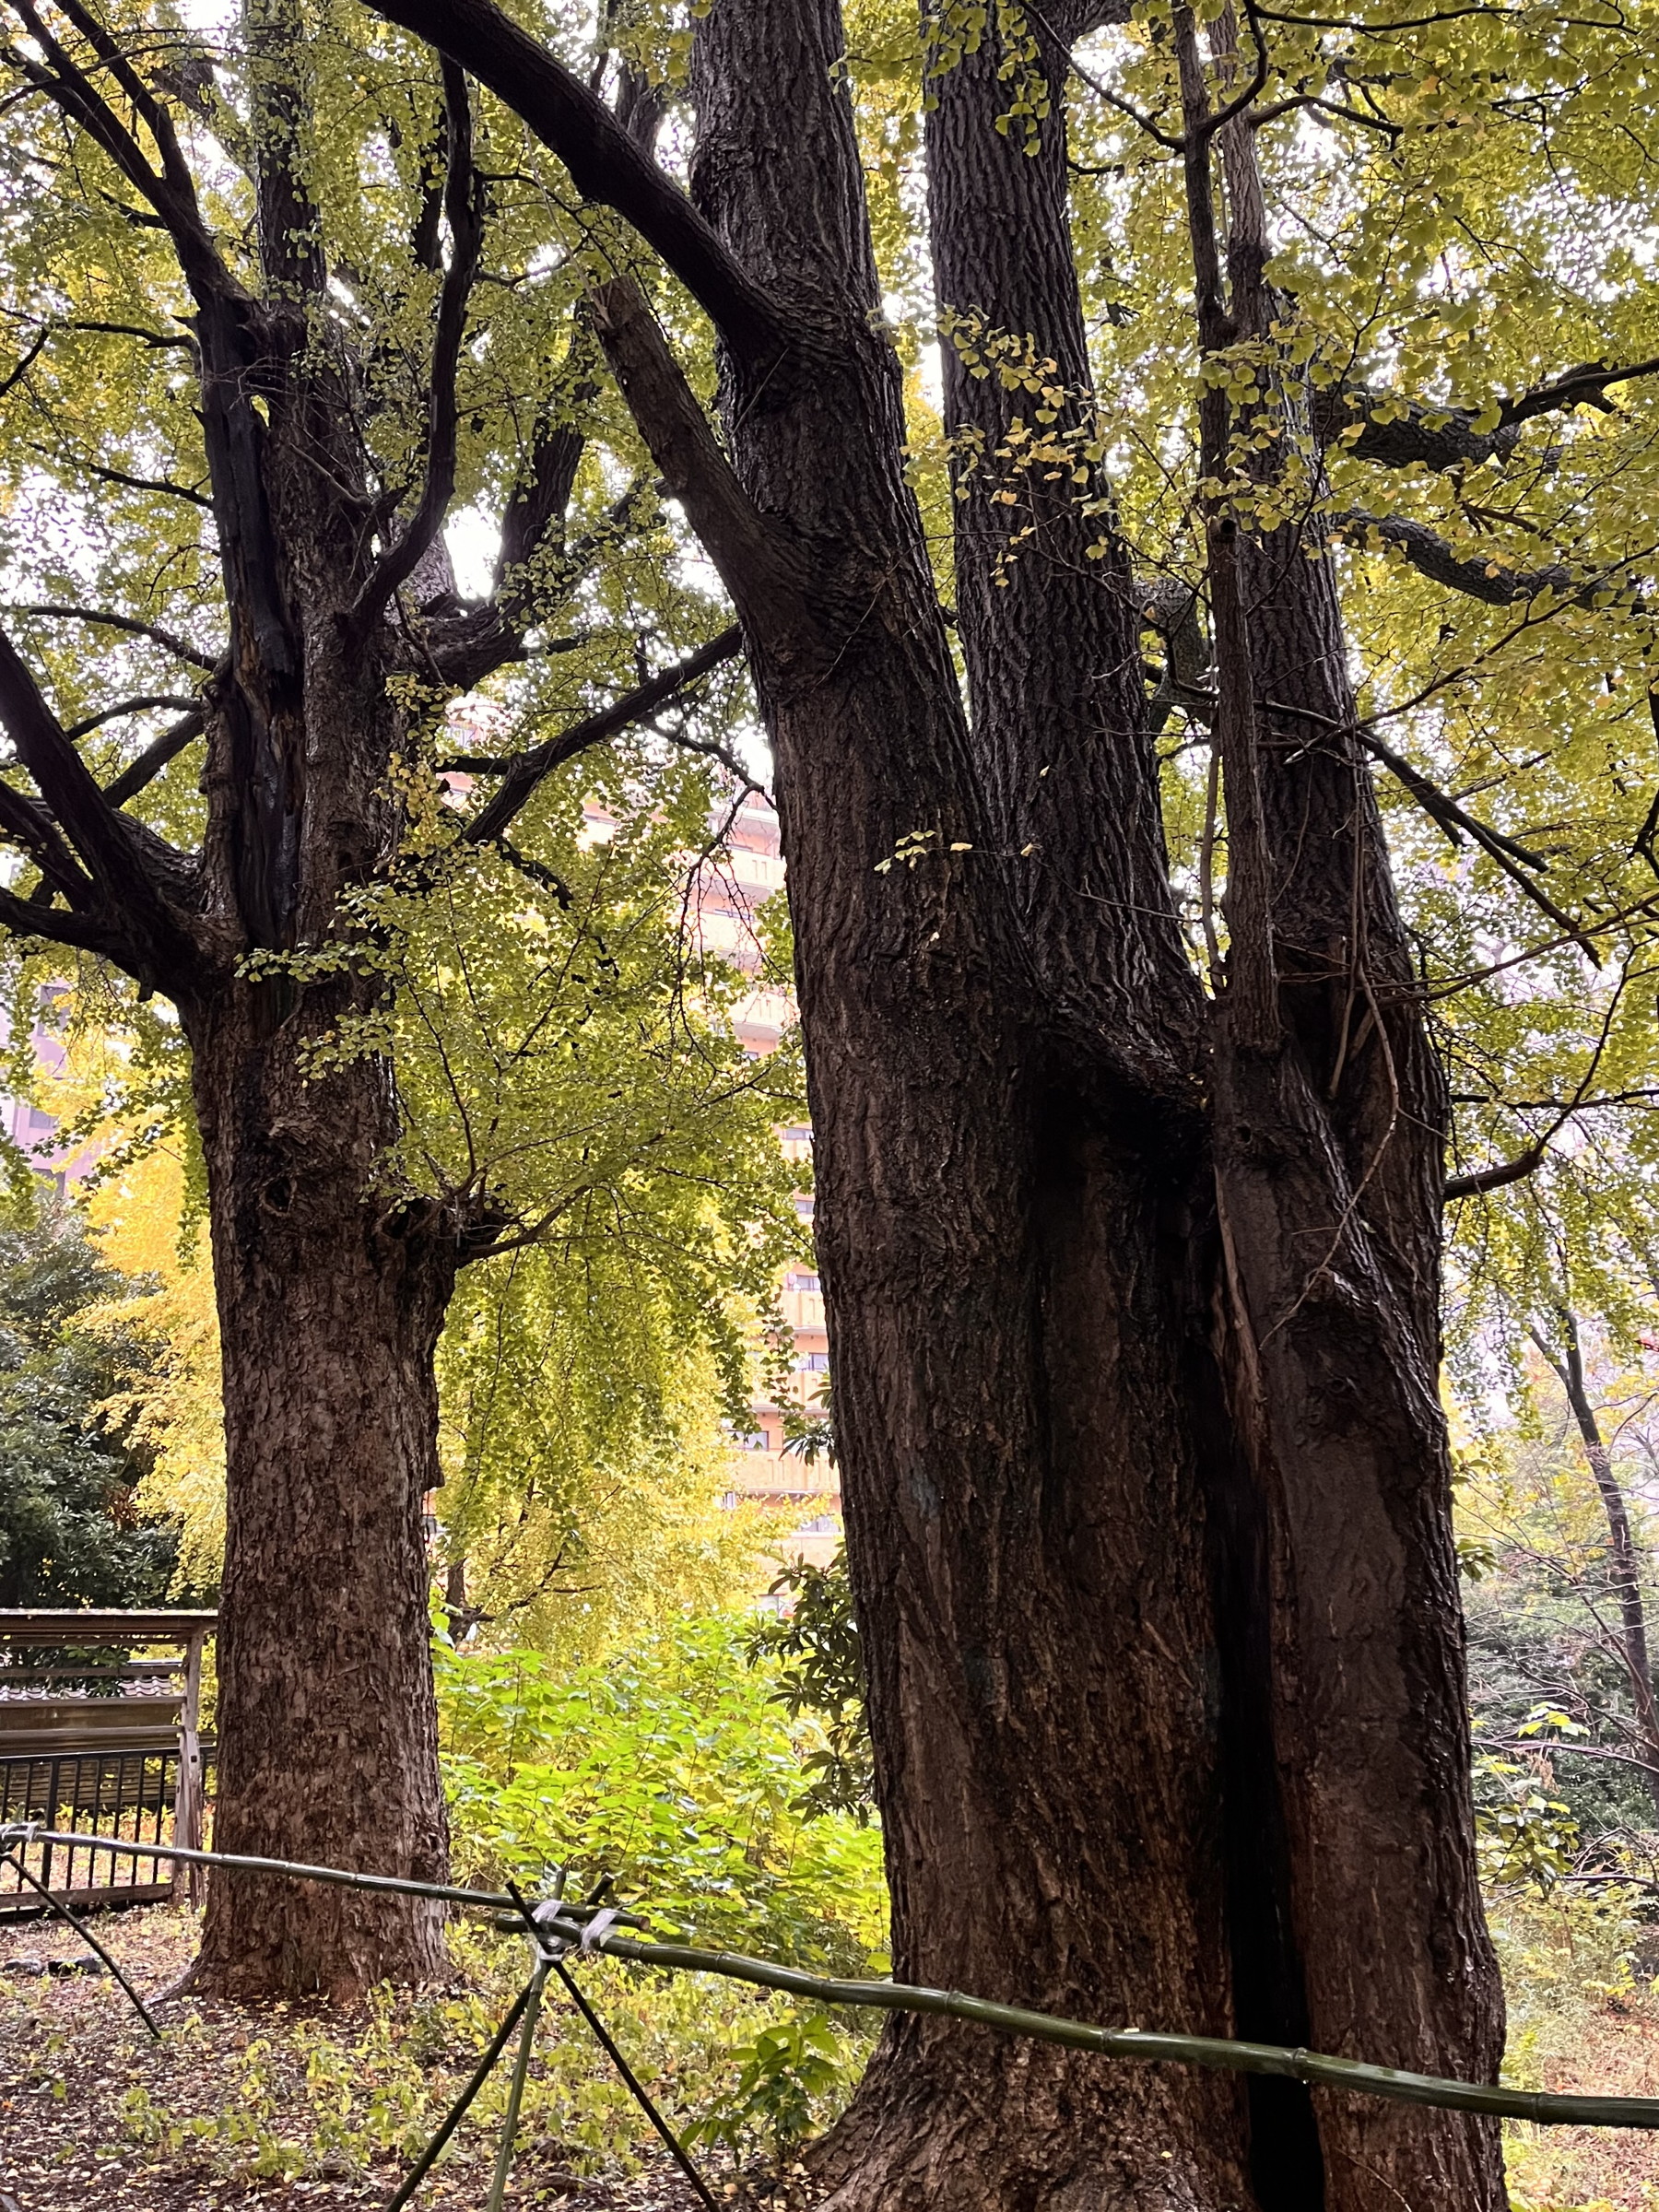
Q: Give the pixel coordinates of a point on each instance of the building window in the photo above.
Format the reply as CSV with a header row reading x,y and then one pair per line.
x,y
805,1282
813,1363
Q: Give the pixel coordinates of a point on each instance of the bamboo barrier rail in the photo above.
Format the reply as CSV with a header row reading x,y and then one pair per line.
x,y
559,1928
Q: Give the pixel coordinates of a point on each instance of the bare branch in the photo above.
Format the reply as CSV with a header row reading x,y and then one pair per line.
x,y
1340,110
153,759
1532,1157
170,640
24,365
1495,1178
1514,860
607,164
107,474
159,339
464,206
77,730
85,933
530,769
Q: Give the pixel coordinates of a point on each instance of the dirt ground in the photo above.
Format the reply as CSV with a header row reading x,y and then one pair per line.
x,y
76,2065
78,2073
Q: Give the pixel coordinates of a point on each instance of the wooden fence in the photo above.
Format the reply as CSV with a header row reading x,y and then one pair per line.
x,y
101,1736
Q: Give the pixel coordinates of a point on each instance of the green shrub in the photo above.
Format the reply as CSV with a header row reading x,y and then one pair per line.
x,y
671,1767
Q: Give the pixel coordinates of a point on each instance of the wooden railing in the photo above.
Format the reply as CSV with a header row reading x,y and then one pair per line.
x,y
97,1742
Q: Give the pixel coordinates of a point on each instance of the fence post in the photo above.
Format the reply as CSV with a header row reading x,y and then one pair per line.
x,y
187,1793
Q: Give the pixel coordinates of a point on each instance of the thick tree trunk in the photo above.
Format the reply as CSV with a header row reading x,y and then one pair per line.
x,y
1104,1306
330,1301
1003,1260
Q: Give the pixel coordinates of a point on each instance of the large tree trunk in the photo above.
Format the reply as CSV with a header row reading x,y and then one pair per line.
x,y
1329,1138
1165,1657
1133,1334
330,1297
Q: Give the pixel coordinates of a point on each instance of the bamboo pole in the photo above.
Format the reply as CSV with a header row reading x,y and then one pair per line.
x,y
1544,2107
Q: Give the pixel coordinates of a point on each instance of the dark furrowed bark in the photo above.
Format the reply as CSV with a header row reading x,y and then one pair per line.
x,y
1031,1558
1050,636
1327,1159
1335,1403
330,1301
330,1304
1047,615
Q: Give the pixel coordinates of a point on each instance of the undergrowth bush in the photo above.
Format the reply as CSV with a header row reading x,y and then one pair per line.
x,y
671,1769
675,1768
1578,1963
312,2095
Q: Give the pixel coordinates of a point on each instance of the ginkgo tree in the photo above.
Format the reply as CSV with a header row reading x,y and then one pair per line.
x,y
1133,1271
1204,696
277,302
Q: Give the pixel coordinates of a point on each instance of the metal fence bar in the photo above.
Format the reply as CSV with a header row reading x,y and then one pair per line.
x,y
107,1793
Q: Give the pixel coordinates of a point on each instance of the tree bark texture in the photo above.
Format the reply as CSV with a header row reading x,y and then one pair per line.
x,y
1144,1464
331,1298
331,1295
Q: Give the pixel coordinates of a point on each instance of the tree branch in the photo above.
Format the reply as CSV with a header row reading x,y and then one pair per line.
x,y
1429,437
1495,1178
85,933
607,164
1429,554
106,842
154,756
26,362
1586,387
171,192
464,206
1514,859
170,640
525,772
27,822
1443,437
754,561
77,730
107,474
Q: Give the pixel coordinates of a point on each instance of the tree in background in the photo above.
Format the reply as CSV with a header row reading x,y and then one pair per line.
x,y
1559,1542
73,1530
278,304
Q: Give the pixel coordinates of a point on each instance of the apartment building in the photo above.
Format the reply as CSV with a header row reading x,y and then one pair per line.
x,y
729,897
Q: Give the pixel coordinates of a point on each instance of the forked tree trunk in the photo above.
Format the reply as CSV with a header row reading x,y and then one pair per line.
x,y
1143,1462
330,1303
1132,1299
